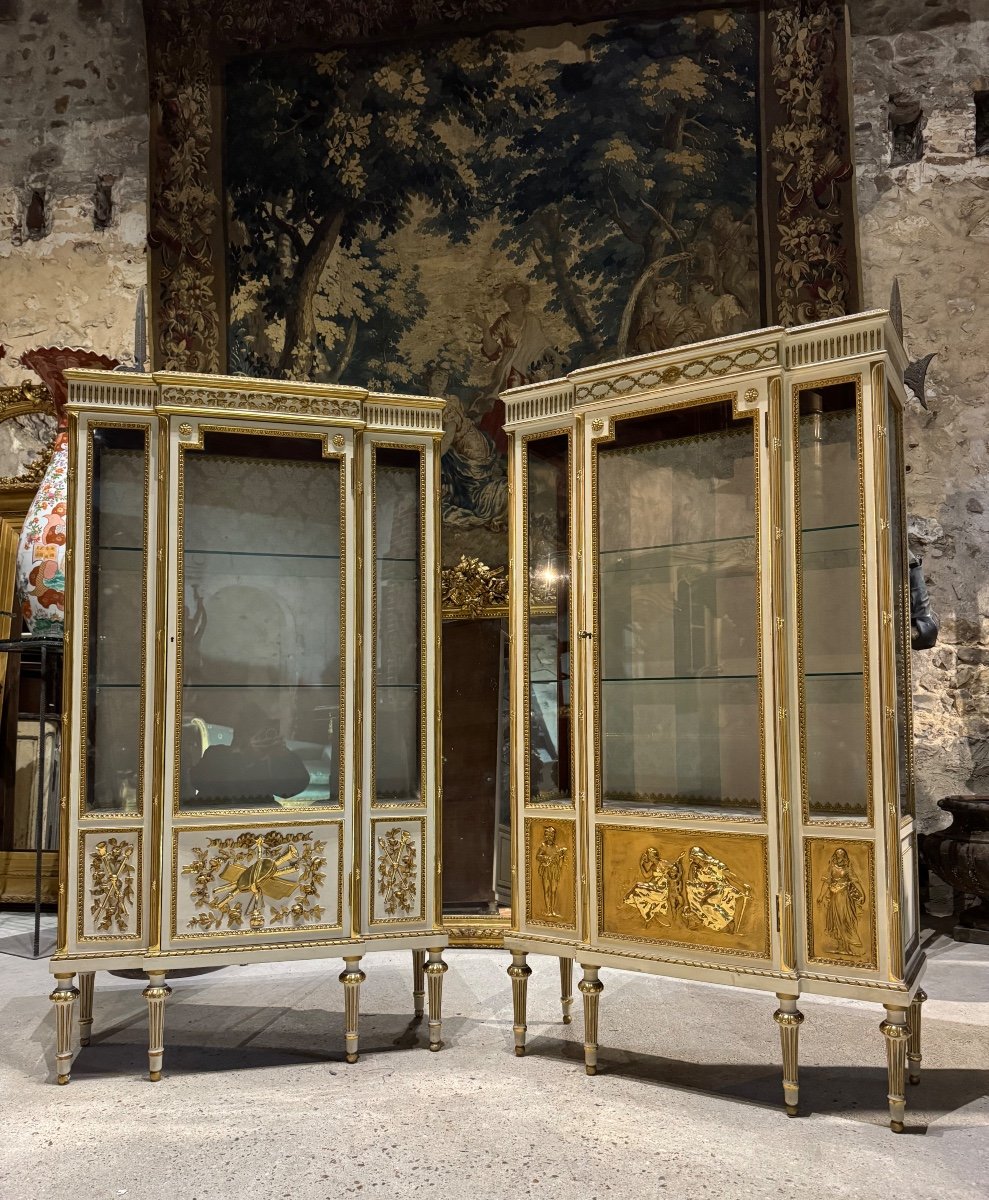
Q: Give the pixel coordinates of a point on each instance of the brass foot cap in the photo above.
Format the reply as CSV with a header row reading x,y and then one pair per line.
x,y
915,1079
591,1070
791,1110
896,1126
352,1058
567,1019
63,1079
520,1051
435,1046
154,1076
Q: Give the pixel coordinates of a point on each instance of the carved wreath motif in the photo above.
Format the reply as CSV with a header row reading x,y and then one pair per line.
x,y
112,875
236,879
398,874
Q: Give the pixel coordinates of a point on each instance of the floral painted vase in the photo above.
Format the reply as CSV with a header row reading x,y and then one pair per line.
x,y
41,549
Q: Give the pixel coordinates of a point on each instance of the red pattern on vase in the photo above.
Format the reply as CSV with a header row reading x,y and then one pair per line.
x,y
41,549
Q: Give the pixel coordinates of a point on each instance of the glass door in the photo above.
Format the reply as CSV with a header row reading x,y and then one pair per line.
x,y
675,622
260,673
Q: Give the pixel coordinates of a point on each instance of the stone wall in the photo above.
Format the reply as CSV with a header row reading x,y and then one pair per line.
x,y
74,129
73,175
926,223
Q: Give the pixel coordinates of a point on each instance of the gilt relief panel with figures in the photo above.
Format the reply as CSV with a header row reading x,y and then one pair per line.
x,y
841,910
551,873
707,890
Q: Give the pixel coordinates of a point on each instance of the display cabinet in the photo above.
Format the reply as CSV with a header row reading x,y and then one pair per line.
x,y
712,774
251,723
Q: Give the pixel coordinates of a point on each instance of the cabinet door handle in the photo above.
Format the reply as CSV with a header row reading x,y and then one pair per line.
x,y
584,633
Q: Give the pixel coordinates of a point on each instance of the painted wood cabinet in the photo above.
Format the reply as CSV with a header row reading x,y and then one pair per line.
x,y
711,685
252,715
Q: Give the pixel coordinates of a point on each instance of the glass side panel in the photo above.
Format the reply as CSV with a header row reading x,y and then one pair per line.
x,y
832,684
397,523
547,542
901,602
116,605
261,626
678,615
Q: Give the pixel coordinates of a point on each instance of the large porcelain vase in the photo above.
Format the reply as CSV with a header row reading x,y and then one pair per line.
x,y
41,550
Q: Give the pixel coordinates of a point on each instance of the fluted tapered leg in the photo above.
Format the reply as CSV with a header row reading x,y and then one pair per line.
x,y
86,980
64,998
789,1019
897,1034
913,1050
566,988
156,993
419,981
435,970
590,988
351,977
519,973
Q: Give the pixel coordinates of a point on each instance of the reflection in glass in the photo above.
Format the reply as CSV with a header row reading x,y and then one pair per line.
x,y
260,665
548,578
832,686
116,593
677,620
397,742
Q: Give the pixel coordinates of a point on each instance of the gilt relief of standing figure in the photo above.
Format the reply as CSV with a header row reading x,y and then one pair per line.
x,y
549,863
843,898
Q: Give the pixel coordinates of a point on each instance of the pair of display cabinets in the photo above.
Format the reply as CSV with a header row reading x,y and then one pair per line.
x,y
251,734
711,683
710,680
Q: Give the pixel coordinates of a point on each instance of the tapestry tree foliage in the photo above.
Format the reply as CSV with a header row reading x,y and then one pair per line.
x,y
331,150
600,165
631,150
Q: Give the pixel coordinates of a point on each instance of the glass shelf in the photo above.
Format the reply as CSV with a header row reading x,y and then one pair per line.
x,y
676,678
253,687
747,537
715,554
715,806
191,552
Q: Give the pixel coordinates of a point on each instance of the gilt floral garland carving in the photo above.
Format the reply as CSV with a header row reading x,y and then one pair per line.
x,y
112,884
398,873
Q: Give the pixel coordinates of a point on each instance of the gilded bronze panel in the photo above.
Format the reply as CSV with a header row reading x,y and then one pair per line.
x,y
684,888
551,873
840,877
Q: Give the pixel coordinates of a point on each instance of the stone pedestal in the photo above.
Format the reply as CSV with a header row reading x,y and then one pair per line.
x,y
960,855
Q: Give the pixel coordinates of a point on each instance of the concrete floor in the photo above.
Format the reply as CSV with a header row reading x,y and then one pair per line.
x,y
257,1100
